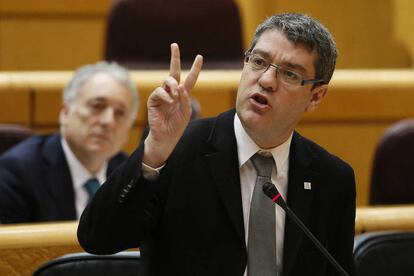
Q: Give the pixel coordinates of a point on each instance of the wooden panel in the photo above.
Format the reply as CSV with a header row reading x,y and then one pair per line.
x,y
214,102
367,104
50,43
368,33
134,138
54,7
38,235
359,106
252,13
51,35
15,102
384,218
23,248
24,261
15,107
403,21
368,95
47,105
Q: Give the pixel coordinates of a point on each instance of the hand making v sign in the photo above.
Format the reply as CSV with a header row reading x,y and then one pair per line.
x,y
169,110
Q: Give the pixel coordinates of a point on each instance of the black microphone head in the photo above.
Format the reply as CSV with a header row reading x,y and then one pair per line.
x,y
271,191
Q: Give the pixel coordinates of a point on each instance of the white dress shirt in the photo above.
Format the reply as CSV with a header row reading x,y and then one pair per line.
x,y
246,148
79,176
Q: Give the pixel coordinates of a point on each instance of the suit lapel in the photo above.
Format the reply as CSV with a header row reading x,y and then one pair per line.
x,y
224,166
299,198
58,178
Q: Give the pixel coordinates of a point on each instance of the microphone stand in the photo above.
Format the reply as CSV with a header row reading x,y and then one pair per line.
x,y
271,191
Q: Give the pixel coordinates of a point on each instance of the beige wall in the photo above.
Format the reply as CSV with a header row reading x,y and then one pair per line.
x,y
64,34
368,33
51,35
403,25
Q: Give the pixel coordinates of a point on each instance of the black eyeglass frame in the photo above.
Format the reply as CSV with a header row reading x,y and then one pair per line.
x,y
303,82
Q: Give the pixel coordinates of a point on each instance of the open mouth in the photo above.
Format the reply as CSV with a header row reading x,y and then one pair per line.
x,y
260,99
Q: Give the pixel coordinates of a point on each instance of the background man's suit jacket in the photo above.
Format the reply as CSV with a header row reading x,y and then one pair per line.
x,y
35,181
190,221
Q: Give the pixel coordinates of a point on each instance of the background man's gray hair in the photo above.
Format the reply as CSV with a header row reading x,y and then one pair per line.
x,y
86,72
305,30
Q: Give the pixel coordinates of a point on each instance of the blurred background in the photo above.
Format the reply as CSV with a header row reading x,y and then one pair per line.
x,y
65,34
43,41
366,117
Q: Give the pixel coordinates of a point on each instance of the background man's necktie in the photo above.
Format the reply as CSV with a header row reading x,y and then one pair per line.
x,y
262,234
91,186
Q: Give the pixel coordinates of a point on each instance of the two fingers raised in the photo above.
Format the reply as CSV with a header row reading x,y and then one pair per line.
x,y
175,68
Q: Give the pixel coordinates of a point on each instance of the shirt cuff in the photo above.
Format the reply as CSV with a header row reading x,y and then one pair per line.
x,y
151,173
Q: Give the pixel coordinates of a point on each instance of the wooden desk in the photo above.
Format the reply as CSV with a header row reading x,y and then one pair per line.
x,y
382,218
25,247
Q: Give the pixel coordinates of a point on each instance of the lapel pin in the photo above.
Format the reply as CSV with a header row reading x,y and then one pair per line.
x,y
307,185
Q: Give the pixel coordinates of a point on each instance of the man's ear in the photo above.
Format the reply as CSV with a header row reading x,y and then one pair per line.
x,y
64,112
318,93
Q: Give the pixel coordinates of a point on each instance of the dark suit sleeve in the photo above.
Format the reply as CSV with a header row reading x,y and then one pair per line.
x,y
343,249
124,212
14,197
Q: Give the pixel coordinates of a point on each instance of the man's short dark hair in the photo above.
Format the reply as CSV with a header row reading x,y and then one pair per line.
x,y
305,30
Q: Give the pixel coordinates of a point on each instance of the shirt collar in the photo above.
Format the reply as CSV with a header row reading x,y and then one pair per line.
x,y
79,173
246,147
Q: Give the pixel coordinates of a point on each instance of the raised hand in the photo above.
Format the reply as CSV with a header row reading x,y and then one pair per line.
x,y
169,110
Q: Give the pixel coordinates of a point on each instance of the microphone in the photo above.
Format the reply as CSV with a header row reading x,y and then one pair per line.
x,y
271,191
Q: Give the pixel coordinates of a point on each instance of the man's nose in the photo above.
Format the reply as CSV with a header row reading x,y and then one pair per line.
x,y
107,116
268,79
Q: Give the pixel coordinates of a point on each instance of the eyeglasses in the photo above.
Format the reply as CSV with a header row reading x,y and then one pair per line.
x,y
283,75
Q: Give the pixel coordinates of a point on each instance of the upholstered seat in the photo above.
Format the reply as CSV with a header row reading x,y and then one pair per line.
x,y
384,254
10,135
392,179
139,33
123,263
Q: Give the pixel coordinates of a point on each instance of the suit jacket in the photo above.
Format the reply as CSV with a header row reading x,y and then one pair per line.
x,y
35,181
190,220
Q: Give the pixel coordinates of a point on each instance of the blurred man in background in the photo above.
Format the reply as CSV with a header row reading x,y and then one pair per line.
x,y
52,177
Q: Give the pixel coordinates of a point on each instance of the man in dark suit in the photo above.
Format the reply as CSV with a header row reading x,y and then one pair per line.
x,y
42,178
185,195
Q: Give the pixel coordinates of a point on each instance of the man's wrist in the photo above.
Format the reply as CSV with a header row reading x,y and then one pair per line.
x,y
151,173
156,154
